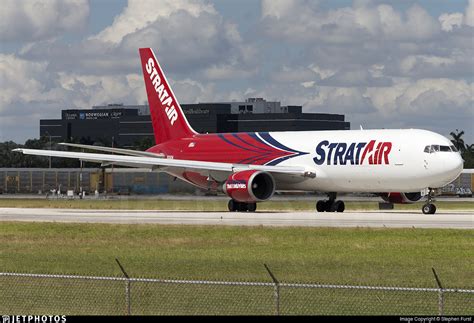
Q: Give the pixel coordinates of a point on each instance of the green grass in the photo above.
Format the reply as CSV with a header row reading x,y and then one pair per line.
x,y
388,257
213,205
356,256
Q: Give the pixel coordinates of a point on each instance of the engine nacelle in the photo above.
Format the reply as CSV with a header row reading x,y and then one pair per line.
x,y
401,198
250,186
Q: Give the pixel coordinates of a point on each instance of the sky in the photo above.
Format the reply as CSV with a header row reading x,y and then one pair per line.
x,y
399,64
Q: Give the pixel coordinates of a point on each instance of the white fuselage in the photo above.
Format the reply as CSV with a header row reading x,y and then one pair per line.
x,y
400,164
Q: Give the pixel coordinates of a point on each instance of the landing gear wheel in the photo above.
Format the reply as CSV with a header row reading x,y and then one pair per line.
x,y
235,206
330,206
251,207
338,206
321,206
428,209
242,207
232,206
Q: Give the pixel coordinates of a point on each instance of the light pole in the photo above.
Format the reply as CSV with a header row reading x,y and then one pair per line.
x,y
49,147
112,171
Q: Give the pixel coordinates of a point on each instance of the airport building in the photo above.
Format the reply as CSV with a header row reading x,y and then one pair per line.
x,y
128,124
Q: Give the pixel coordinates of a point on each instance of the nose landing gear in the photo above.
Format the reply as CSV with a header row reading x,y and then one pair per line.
x,y
429,207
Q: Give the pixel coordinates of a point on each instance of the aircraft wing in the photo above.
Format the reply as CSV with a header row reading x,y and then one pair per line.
x,y
120,151
164,163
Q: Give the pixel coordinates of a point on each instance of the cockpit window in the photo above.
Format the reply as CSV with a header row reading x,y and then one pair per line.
x,y
435,148
444,148
453,148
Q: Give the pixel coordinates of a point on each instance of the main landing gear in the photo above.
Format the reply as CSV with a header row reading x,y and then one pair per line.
x,y
235,206
429,207
330,205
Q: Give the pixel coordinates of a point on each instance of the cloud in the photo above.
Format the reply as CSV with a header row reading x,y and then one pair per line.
x,y
378,64
455,20
469,15
27,91
340,100
350,41
139,14
88,90
189,90
26,81
186,43
33,20
227,72
450,21
287,74
426,97
356,77
20,79
440,105
437,104
187,36
296,21
31,92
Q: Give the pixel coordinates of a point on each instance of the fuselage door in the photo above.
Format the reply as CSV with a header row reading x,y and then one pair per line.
x,y
398,156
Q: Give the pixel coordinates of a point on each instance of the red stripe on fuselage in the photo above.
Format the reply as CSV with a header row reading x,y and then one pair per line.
x,y
210,147
251,142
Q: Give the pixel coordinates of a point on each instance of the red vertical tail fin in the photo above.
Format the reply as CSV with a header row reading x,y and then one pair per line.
x,y
167,117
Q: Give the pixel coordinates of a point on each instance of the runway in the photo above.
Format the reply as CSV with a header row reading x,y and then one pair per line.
x,y
372,219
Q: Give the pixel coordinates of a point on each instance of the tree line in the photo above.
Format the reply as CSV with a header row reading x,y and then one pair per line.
x,y
8,158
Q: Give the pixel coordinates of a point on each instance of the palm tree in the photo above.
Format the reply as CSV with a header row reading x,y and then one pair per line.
x,y
457,140
468,156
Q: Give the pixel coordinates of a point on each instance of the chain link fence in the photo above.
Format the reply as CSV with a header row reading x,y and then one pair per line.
x,y
37,294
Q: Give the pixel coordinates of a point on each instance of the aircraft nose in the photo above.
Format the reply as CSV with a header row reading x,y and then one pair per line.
x,y
458,163
455,165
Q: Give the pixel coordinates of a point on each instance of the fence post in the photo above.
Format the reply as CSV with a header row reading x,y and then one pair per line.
x,y
276,290
127,288
440,293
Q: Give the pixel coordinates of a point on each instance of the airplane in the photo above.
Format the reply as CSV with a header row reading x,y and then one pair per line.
x,y
401,165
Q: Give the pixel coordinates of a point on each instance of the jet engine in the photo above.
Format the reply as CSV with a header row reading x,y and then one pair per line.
x,y
250,186
401,198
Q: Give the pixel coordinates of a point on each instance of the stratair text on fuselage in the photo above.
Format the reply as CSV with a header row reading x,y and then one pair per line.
x,y
356,153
